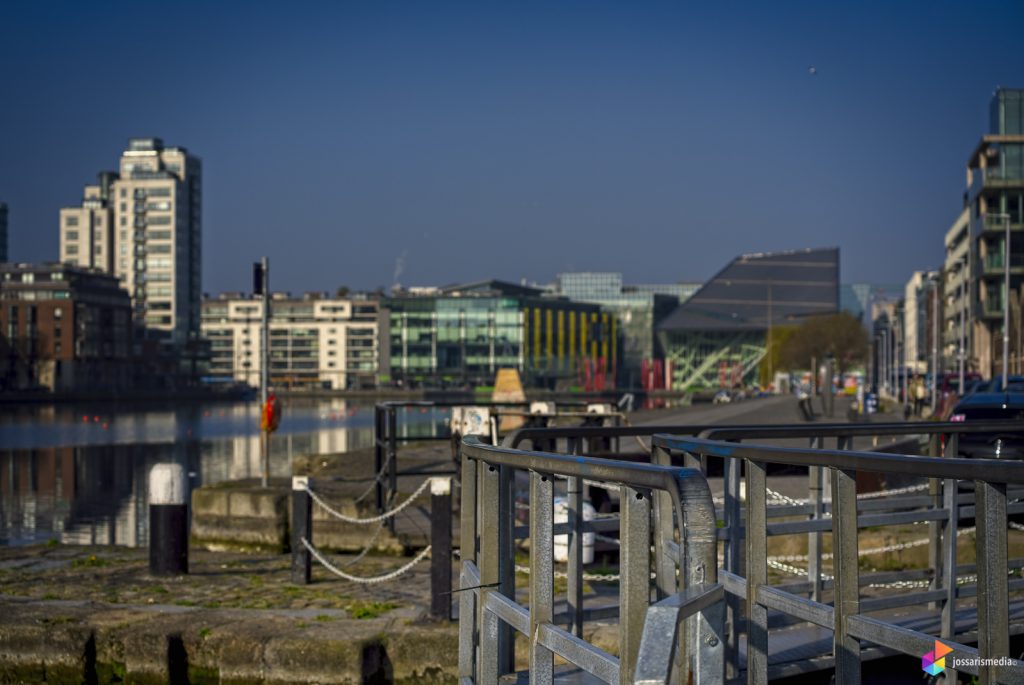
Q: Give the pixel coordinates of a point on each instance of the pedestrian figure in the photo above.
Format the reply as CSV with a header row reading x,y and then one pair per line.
x,y
918,392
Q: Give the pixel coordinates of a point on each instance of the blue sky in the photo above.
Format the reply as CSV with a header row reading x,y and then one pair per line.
x,y
513,140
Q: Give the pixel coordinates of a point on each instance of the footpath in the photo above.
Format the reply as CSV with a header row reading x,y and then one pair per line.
x,y
95,615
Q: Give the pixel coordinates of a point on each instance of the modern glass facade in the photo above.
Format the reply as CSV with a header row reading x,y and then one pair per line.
x,y
461,336
718,337
637,311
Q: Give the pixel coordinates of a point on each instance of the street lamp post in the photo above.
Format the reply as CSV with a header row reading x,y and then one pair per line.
x,y
962,269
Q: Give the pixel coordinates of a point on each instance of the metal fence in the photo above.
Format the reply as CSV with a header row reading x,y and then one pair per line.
x,y
846,616
388,436
938,502
685,627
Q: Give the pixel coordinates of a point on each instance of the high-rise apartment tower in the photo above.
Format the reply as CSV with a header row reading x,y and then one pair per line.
x,y
144,224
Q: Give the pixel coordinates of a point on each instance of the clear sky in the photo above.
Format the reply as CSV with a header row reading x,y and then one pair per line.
x,y
470,140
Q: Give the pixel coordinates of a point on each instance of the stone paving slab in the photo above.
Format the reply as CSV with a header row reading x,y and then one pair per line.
x,y
91,614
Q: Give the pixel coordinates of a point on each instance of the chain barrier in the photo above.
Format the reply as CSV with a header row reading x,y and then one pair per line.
x,y
373,519
367,548
372,580
775,497
376,480
899,547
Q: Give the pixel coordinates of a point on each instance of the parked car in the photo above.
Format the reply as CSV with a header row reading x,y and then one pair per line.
x,y
993,406
949,384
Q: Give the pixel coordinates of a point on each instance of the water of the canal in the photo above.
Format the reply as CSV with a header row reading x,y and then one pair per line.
x,y
78,473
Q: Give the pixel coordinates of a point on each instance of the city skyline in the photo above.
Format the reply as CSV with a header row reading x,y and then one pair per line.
x,y
407,144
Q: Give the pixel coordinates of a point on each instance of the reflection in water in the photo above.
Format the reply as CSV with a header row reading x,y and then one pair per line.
x,y
80,475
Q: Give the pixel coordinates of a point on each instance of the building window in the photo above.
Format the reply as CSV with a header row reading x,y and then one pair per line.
x,y
71,235
71,221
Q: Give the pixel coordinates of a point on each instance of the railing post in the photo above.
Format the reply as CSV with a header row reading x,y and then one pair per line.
x,y
757,573
392,462
935,557
574,591
468,613
847,577
541,578
814,537
635,577
664,529
734,556
506,562
380,428
492,648
302,529
441,548
993,592
949,535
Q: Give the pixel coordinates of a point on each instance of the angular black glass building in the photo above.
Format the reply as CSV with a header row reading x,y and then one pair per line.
x,y
719,336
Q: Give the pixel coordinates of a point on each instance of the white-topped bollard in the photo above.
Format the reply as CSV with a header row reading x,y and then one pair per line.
x,y
168,520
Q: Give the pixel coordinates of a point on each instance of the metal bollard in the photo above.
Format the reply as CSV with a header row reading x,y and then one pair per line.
x,y
441,548
302,529
168,521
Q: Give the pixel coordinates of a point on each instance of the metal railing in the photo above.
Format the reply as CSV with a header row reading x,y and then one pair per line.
x,y
944,579
388,436
684,630
845,617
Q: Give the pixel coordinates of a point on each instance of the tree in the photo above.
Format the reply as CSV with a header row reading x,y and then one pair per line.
x,y
840,335
342,291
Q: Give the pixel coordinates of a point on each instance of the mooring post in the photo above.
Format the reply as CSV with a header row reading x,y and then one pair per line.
x,y
168,521
302,529
441,548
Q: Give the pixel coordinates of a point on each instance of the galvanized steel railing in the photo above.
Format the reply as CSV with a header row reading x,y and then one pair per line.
x,y
686,626
933,507
845,617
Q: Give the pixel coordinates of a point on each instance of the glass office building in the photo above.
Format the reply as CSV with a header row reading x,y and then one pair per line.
x,y
718,337
461,336
637,311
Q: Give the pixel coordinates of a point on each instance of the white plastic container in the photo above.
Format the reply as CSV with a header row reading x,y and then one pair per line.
x,y
561,550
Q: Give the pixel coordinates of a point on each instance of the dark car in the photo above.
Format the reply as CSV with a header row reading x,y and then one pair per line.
x,y
993,406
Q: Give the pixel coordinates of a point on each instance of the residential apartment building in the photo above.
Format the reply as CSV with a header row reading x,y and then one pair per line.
x,y
917,320
957,285
63,328
3,232
315,341
995,200
144,224
462,335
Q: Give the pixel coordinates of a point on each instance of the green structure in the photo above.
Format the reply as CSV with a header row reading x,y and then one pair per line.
x,y
718,337
461,336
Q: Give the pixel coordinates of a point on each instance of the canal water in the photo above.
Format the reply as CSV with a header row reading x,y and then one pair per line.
x,y
79,473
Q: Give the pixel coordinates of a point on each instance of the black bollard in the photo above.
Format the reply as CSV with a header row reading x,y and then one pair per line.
x,y
441,548
168,521
302,528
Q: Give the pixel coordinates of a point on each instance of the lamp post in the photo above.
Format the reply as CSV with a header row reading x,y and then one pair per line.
x,y
961,268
